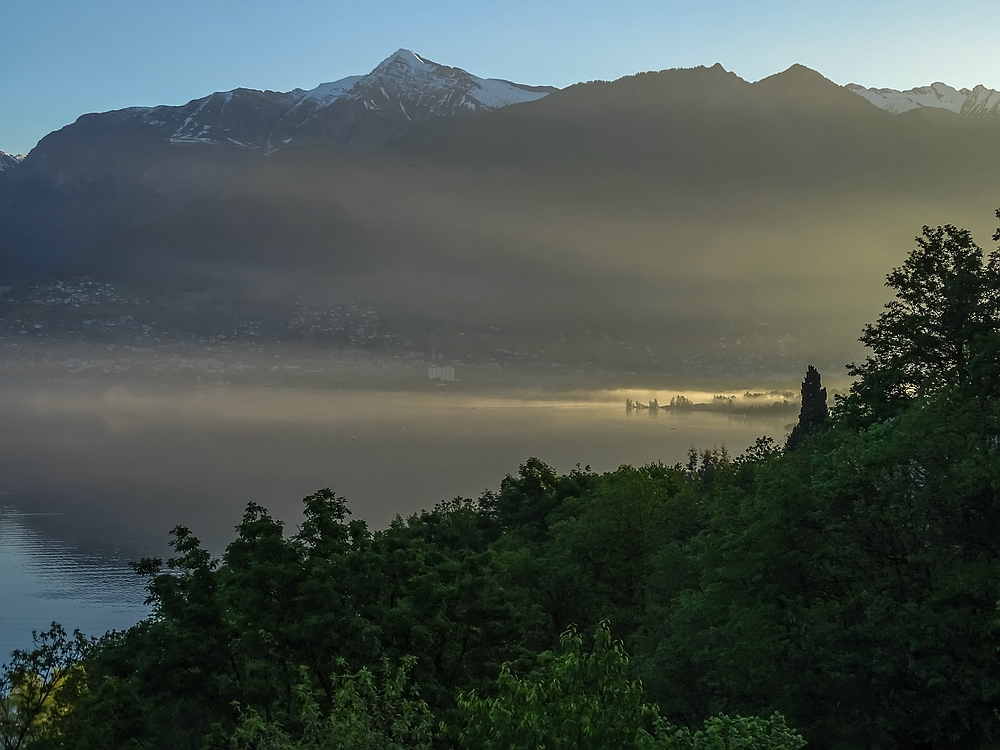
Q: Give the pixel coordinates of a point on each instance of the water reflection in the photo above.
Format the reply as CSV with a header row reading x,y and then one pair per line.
x,y
44,579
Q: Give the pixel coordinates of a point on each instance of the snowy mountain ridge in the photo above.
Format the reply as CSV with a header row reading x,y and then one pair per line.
x,y
109,170
445,87
402,91
356,112
978,102
9,161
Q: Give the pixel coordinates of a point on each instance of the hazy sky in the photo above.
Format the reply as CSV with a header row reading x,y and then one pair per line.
x,y
62,58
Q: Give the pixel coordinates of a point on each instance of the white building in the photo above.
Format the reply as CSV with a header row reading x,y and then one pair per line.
x,y
441,373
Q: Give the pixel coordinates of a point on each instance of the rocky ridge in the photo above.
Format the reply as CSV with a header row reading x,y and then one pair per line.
x,y
9,161
356,112
979,102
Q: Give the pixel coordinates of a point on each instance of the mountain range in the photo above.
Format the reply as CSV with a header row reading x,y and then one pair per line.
x,y
114,169
979,102
672,208
365,111
111,170
357,112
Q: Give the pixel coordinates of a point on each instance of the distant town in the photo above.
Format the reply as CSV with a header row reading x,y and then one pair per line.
x,y
86,326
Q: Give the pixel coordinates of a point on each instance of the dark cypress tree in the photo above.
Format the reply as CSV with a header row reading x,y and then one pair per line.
x,y
813,412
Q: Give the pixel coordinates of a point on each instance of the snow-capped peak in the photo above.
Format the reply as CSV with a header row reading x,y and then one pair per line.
x,y
977,102
327,93
403,90
439,89
405,57
356,112
982,102
9,161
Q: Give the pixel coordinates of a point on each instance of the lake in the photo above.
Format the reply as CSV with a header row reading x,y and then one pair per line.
x,y
93,477
43,578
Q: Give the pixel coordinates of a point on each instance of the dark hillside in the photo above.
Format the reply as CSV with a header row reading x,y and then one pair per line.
x,y
675,207
81,184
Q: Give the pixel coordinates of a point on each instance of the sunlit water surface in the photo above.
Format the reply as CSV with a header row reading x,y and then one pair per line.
x,y
107,472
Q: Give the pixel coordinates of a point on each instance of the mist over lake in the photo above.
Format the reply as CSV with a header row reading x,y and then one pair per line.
x,y
122,465
94,476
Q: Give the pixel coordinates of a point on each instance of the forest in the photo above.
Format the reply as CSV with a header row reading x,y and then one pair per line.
x,y
841,590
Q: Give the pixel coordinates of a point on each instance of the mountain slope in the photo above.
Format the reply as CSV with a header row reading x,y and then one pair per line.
x,y
112,170
243,118
680,206
9,161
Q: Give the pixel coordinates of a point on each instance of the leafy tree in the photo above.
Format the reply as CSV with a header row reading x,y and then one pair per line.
x,y
525,502
365,713
588,701
601,547
573,700
941,330
444,602
306,600
38,686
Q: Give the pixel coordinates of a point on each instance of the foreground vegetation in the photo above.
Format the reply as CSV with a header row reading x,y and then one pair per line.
x,y
846,583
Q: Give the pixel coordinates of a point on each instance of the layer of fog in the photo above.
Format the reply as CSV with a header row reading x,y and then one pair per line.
x,y
121,466
438,249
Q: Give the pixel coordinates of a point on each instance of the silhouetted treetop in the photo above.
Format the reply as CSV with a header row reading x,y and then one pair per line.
x,y
813,412
941,330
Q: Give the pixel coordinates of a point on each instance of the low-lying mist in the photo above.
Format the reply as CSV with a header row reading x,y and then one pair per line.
x,y
448,250
122,465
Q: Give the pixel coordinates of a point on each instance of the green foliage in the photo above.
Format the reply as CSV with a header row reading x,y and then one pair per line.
x,y
364,714
941,330
39,686
724,733
573,700
854,590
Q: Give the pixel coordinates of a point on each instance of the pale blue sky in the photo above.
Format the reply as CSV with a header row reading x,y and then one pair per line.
x,y
62,58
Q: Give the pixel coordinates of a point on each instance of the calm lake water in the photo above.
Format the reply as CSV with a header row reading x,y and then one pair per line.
x,y
44,579
95,477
